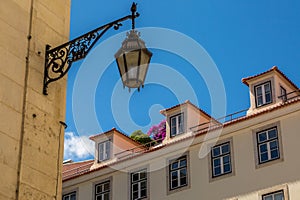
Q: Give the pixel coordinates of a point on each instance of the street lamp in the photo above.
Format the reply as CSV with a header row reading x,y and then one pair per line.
x,y
132,58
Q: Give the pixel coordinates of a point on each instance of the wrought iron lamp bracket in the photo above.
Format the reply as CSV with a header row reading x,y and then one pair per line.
x,y
59,60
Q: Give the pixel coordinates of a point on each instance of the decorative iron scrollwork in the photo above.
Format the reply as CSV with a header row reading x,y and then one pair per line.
x,y
59,60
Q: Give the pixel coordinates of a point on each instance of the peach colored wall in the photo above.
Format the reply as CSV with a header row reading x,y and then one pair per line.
x,y
122,143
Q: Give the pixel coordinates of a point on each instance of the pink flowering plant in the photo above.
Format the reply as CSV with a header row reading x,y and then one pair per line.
x,y
158,132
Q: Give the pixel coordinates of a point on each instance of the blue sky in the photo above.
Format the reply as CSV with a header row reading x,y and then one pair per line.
x,y
242,38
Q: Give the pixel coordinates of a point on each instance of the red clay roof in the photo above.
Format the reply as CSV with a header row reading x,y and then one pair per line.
x,y
70,168
271,109
275,69
186,102
117,131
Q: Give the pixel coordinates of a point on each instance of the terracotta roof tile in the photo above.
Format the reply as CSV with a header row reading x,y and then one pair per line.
x,y
186,102
117,131
274,68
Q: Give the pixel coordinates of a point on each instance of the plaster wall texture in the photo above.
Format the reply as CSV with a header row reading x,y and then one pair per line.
x,y
31,137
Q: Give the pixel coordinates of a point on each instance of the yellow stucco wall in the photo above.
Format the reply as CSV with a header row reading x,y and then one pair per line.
x,y
31,137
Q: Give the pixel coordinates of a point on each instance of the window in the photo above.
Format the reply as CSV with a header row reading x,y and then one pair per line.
x,y
178,173
221,160
278,195
69,196
104,150
177,126
268,145
102,191
283,93
263,94
139,184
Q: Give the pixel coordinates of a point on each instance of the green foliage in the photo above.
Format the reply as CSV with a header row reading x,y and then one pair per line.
x,y
140,137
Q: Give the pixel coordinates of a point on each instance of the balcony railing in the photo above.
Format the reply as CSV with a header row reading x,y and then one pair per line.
x,y
218,122
290,96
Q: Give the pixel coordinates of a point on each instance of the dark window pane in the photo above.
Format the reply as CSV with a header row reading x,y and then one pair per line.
x,y
174,184
225,148
262,137
217,171
143,193
99,197
181,127
173,131
143,185
183,173
143,175
274,145
106,186
106,196
135,187
226,159
274,154
279,196
135,195
216,151
259,100
272,133
174,175
263,148
173,121
269,197
217,162
183,181
267,87
258,90
135,177
174,165
98,189
268,98
264,157
183,163
227,168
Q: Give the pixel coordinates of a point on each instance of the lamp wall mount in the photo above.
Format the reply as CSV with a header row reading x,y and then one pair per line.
x,y
59,60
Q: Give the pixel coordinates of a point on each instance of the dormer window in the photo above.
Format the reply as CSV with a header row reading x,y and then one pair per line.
x,y
104,150
263,94
283,94
177,125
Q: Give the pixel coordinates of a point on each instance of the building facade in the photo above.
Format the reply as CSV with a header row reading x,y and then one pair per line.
x,y
31,137
254,156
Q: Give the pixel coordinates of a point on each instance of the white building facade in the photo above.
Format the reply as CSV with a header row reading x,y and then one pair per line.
x,y
254,156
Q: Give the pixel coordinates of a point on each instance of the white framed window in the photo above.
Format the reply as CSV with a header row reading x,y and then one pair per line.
x,y
138,181
104,150
278,195
102,191
69,196
178,173
283,94
268,145
263,94
221,159
177,124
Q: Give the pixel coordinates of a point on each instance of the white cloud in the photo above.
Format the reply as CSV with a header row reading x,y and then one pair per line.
x,y
77,147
